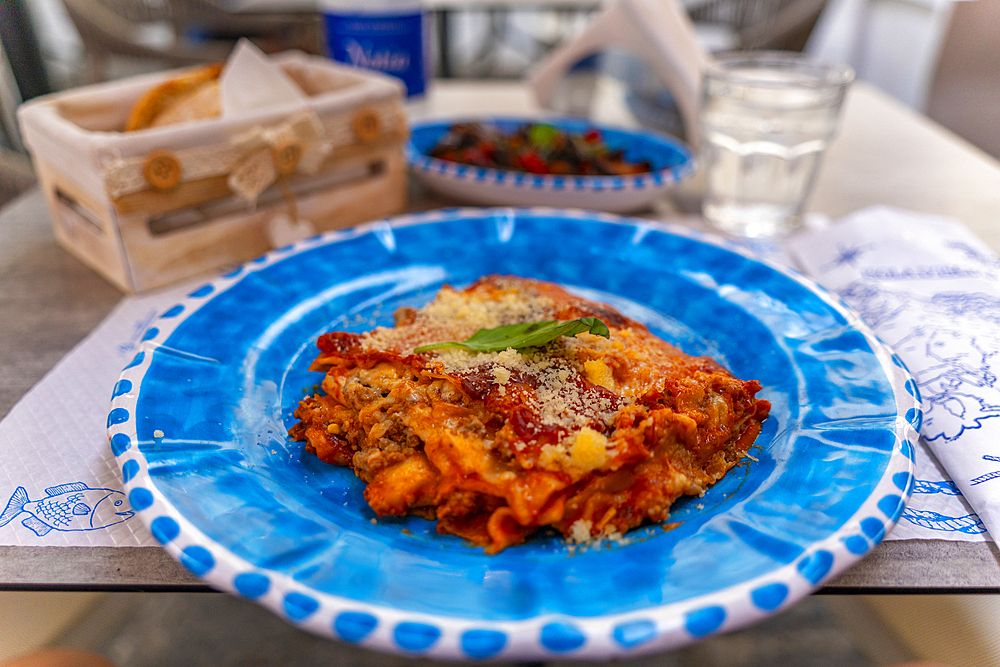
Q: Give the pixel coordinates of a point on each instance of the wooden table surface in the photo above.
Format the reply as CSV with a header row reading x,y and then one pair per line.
x,y
885,154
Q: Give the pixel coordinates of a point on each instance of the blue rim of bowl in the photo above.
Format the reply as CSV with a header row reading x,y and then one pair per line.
x,y
659,178
547,636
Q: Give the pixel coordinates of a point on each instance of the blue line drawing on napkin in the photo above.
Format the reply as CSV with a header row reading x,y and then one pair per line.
x,y
931,291
68,507
847,256
990,475
974,254
970,523
945,486
959,384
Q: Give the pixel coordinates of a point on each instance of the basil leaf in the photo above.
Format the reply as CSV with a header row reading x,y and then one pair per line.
x,y
520,336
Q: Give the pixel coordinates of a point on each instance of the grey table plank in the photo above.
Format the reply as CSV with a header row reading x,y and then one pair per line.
x,y
94,568
905,566
49,301
923,566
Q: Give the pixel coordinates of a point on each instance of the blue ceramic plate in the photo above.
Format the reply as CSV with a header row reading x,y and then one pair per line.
x,y
671,161
198,423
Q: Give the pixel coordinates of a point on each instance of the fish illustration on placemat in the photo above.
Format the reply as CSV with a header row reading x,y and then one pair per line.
x,y
68,507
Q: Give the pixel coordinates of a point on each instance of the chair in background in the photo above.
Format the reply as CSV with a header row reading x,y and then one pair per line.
x,y
10,99
894,44
272,31
16,175
182,32
657,50
755,24
138,29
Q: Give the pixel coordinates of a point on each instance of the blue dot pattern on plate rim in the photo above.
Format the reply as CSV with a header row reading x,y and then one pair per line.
x,y
856,544
129,470
354,626
815,567
117,416
902,480
415,636
198,559
164,529
873,529
299,606
645,253
204,290
892,506
561,637
702,622
120,443
482,643
174,311
136,360
140,498
634,633
906,447
769,597
251,585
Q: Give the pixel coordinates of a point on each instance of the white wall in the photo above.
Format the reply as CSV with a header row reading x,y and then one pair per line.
x,y
965,94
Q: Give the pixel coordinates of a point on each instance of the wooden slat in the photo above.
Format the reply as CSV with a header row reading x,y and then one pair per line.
x,y
94,237
161,259
152,202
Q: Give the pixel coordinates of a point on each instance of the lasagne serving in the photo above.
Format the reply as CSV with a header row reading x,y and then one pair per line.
x,y
589,435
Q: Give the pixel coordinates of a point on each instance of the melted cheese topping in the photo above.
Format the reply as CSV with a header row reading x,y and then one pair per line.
x,y
599,373
559,398
455,316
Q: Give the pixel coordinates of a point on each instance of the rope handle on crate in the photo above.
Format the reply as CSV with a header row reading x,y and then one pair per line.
x,y
253,160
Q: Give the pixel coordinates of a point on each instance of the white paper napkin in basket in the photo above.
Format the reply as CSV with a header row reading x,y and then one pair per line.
x,y
931,290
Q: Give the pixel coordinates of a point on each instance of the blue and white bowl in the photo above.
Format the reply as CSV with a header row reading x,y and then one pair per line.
x,y
671,161
198,423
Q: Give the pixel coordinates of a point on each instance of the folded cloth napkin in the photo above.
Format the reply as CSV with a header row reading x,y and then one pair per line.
x,y
931,290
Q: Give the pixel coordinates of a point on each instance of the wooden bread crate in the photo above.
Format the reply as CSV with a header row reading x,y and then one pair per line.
x,y
155,206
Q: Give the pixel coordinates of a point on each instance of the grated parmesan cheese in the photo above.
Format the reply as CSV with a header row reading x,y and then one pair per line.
x,y
579,532
558,396
457,315
501,374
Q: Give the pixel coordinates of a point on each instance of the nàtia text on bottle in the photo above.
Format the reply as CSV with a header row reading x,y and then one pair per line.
x,y
386,60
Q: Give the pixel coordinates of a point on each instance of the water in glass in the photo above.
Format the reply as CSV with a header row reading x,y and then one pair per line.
x,y
763,135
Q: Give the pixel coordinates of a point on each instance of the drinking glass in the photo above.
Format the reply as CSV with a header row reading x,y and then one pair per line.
x,y
766,118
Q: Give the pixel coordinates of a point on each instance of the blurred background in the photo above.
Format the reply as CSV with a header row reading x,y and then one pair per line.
x,y
939,57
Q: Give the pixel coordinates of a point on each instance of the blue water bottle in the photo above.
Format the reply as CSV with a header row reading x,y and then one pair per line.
x,y
386,35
